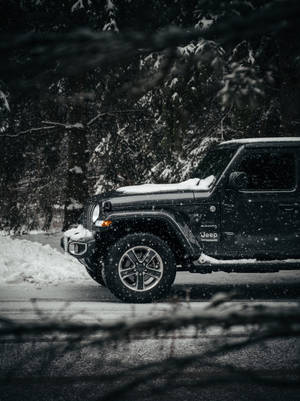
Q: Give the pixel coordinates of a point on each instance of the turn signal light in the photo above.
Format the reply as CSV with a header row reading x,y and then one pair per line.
x,y
103,223
106,223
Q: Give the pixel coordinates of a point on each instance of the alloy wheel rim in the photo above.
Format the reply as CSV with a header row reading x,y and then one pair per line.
x,y
140,268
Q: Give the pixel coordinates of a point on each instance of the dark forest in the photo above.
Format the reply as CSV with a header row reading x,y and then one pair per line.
x,y
98,94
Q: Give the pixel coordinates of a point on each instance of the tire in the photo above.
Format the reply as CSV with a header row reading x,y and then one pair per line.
x,y
97,275
139,268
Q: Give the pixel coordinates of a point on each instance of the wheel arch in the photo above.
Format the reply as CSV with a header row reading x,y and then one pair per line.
x,y
178,237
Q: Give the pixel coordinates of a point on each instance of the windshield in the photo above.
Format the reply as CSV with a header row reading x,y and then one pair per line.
x,y
213,163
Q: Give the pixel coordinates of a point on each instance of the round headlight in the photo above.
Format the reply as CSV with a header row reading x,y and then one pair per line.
x,y
96,213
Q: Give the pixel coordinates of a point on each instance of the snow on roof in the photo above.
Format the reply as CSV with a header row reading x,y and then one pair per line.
x,y
194,184
262,140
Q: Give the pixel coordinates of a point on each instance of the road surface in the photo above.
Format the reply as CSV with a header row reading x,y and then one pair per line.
x,y
38,367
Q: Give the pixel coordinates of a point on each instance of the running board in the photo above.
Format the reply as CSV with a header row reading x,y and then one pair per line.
x,y
244,267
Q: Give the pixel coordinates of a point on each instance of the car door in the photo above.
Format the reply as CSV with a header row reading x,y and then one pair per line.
x,y
263,219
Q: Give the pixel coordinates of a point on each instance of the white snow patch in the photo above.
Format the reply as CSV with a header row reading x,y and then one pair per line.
x,y
23,261
261,140
167,172
76,125
109,5
77,5
4,100
175,96
251,58
78,233
158,62
205,23
186,50
212,261
174,82
76,170
193,184
74,205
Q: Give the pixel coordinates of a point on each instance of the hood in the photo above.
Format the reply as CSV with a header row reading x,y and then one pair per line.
x,y
156,195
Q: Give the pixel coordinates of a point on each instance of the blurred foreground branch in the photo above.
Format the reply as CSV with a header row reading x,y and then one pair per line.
x,y
226,328
67,54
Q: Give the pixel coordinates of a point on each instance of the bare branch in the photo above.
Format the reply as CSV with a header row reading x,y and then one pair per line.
x,y
259,324
94,119
28,131
112,113
64,125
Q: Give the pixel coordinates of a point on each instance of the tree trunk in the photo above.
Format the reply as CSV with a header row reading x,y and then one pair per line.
x,y
77,156
290,84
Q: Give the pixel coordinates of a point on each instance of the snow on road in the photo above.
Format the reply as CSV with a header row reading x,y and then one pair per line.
x,y
23,261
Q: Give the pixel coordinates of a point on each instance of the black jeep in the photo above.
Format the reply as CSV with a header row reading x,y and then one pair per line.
x,y
243,202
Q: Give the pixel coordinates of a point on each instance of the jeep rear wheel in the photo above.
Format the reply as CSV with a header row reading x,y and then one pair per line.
x,y
140,268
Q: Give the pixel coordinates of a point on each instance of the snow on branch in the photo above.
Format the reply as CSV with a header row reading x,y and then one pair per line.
x,y
77,5
49,125
29,131
4,100
64,125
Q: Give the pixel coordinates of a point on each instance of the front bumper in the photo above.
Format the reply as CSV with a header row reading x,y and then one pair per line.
x,y
81,248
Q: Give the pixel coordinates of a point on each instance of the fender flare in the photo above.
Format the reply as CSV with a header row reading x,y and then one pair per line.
x,y
180,229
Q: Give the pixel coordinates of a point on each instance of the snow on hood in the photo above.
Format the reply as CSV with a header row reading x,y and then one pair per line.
x,y
193,184
78,233
23,261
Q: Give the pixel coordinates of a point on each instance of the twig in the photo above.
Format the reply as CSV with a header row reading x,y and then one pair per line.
x,y
112,113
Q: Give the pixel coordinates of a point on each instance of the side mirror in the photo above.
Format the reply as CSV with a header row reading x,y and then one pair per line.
x,y
238,180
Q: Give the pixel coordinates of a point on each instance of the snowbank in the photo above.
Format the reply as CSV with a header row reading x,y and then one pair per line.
x,y
193,184
25,261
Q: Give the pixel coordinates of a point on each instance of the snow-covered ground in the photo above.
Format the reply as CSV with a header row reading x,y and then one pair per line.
x,y
24,261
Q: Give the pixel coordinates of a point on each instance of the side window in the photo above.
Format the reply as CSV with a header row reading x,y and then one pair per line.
x,y
269,171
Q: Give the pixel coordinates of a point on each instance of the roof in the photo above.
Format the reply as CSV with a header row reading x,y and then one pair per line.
x,y
277,140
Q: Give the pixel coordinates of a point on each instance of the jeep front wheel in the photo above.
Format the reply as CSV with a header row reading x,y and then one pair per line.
x,y
140,268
